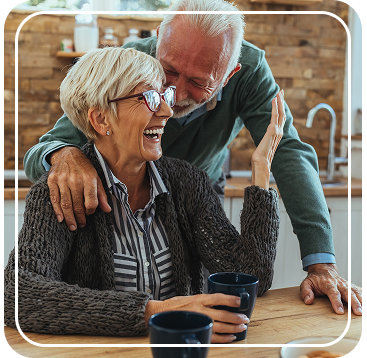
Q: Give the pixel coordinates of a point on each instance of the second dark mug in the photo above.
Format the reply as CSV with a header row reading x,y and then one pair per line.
x,y
236,284
180,327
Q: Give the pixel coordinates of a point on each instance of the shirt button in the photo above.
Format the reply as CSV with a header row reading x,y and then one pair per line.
x,y
149,290
141,234
146,263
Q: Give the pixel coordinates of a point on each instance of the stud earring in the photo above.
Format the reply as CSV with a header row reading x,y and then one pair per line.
x,y
108,132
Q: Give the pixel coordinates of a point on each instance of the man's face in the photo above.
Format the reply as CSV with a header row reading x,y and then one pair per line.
x,y
194,64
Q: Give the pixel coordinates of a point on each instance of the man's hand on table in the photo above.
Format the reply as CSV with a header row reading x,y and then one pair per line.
x,y
323,279
75,188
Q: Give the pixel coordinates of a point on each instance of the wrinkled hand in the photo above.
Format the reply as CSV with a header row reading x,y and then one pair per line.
x,y
224,321
75,188
264,153
323,279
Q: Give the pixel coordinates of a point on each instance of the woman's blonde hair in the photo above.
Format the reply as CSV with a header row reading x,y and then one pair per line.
x,y
105,74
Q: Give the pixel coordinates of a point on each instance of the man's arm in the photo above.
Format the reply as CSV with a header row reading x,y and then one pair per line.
x,y
75,188
62,134
295,168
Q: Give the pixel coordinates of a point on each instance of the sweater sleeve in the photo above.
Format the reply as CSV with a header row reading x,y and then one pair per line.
x,y
46,304
219,244
295,164
62,134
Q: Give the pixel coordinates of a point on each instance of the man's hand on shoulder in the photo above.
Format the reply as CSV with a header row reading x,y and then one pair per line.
x,y
75,188
323,279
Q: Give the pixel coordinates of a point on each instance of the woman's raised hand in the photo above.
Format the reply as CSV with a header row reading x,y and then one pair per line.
x,y
224,321
263,155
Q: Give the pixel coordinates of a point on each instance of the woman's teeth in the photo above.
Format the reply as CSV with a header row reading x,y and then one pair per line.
x,y
153,133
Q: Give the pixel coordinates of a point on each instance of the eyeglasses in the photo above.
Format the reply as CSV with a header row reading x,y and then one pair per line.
x,y
153,99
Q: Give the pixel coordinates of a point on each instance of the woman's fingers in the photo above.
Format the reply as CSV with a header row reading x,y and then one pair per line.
x,y
278,120
226,322
220,327
228,332
223,338
280,109
220,299
274,110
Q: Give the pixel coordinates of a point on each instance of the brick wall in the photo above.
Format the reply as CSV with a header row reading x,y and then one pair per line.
x,y
41,72
306,54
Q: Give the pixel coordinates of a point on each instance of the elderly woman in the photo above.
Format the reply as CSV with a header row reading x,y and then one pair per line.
x,y
146,255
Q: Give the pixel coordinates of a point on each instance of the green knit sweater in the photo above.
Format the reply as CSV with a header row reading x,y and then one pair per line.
x,y
66,279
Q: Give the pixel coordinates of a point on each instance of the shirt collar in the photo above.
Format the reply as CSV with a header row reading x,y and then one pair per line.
x,y
211,104
157,185
201,110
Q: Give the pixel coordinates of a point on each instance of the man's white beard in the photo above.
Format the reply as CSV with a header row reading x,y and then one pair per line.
x,y
192,105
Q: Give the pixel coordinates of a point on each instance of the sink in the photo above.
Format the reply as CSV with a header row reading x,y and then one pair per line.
x,y
330,183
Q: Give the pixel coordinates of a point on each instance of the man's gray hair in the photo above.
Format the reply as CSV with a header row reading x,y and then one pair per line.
x,y
210,24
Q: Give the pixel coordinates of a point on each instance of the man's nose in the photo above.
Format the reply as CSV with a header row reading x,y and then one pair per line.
x,y
181,88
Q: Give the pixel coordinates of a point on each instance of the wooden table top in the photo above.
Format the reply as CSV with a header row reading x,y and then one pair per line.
x,y
280,316
235,187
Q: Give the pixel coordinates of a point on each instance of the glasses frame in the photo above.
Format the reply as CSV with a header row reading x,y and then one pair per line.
x,y
142,94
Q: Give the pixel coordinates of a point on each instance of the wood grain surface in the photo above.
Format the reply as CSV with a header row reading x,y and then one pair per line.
x,y
280,316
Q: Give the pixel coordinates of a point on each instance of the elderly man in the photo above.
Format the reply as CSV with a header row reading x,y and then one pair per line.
x,y
223,83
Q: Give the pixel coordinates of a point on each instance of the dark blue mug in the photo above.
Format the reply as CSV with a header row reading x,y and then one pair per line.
x,y
180,327
236,284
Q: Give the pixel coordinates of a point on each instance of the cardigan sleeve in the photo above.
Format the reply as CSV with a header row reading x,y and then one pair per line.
x,y
221,247
46,304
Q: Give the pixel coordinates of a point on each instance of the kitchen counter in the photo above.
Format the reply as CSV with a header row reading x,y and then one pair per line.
x,y
235,186
280,316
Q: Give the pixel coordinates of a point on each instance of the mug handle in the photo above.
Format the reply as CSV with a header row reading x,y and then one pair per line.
x,y
192,352
245,298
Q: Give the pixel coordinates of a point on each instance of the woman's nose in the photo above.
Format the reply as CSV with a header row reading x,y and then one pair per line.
x,y
165,110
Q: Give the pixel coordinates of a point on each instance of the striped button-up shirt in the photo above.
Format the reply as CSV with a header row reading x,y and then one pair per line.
x,y
142,259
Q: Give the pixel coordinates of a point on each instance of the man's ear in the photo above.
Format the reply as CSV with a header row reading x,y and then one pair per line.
x,y
238,67
98,120
158,31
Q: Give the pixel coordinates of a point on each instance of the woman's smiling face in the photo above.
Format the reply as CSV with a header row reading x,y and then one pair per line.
x,y
137,130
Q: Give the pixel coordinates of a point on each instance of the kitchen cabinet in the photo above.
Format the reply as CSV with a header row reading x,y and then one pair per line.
x,y
9,224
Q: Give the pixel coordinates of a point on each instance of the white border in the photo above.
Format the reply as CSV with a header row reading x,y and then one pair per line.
x,y
184,12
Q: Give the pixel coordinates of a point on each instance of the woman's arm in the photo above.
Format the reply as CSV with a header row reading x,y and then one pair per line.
x,y
263,155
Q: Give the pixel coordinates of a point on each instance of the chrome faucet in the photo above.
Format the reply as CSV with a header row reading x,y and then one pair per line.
x,y
332,160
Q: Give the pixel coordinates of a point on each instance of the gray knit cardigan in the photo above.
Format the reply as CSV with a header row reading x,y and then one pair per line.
x,y
66,279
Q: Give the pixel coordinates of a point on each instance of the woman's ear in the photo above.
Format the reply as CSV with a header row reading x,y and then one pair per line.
x,y
98,120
